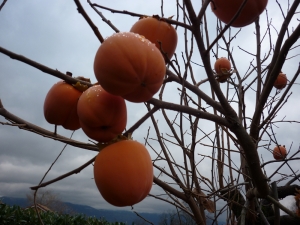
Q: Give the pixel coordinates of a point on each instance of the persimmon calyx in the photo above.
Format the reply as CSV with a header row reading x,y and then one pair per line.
x,y
222,77
119,137
80,87
156,17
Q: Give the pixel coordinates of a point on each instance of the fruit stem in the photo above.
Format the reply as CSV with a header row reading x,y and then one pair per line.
x,y
69,73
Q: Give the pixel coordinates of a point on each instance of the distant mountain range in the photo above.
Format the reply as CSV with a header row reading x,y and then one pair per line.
x,y
109,215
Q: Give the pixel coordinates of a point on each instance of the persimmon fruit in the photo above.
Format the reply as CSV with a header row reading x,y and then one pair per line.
x,y
60,105
226,10
129,65
159,32
281,81
102,116
222,67
279,152
123,173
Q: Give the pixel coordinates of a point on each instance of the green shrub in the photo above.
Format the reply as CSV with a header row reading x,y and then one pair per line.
x,y
18,216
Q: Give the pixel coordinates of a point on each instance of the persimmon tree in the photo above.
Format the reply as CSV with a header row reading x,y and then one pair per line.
x,y
203,119
49,199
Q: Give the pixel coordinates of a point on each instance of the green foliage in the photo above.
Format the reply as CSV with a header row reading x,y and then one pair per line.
x,y
18,216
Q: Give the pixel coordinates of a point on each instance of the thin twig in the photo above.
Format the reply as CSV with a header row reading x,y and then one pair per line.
x,y
141,121
262,215
43,68
189,110
77,170
243,213
2,5
103,17
55,160
89,21
170,21
227,26
141,216
283,208
293,180
36,190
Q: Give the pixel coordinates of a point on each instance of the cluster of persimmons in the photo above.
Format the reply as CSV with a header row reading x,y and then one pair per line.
x,y
128,66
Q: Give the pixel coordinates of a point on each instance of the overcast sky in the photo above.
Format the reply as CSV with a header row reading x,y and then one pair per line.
x,y
53,33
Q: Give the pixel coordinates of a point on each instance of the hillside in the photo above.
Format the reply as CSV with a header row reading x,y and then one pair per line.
x,y
109,215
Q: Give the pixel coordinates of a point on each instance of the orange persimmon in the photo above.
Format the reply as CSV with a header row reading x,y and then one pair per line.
x,y
226,10
102,116
281,81
159,32
60,105
222,67
123,173
279,152
128,65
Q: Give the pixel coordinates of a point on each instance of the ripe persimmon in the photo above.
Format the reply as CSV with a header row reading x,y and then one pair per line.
x,y
279,152
129,65
159,32
102,116
123,173
281,81
60,106
222,67
226,10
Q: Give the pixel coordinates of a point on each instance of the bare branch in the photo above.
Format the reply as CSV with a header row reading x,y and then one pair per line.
x,y
168,188
43,68
88,20
283,208
185,109
43,132
103,18
2,4
170,21
77,170
227,26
